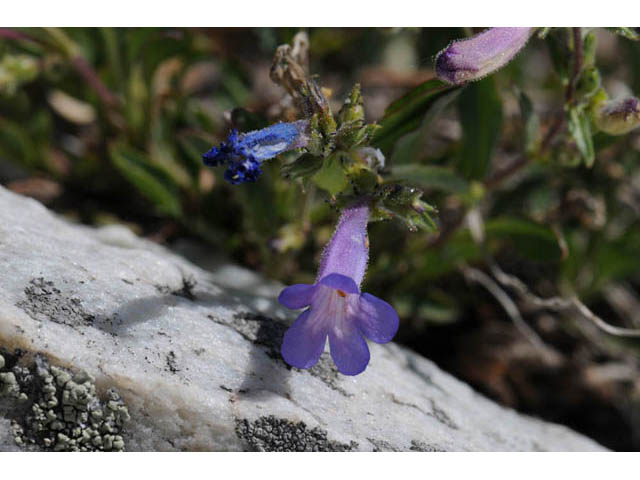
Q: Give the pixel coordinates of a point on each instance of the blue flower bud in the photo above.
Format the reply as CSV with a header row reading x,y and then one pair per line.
x,y
244,152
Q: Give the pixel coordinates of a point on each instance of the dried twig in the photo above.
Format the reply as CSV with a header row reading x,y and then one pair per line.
x,y
578,61
559,303
508,305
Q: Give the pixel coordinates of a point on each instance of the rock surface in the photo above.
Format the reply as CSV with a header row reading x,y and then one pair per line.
x,y
194,355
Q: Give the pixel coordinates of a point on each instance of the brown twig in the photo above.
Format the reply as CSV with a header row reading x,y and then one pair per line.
x,y
12,34
559,303
509,306
87,72
578,60
501,175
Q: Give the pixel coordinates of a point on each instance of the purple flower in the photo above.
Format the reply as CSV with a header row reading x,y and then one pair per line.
x,y
244,152
473,58
337,307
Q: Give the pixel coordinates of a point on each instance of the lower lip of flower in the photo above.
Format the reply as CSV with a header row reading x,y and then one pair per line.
x,y
332,307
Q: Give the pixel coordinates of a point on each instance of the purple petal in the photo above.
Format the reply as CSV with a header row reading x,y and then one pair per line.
x,y
340,282
303,343
297,296
348,250
377,319
349,350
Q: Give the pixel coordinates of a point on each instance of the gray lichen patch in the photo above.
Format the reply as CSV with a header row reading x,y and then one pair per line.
x,y
273,434
382,445
419,446
55,409
171,364
46,302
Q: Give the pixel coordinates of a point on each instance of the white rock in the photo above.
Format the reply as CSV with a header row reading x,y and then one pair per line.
x,y
195,354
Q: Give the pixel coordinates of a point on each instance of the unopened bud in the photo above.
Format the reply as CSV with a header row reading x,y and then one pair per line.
x,y
471,59
617,117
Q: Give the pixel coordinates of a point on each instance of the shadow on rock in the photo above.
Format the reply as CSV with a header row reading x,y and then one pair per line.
x,y
266,374
139,310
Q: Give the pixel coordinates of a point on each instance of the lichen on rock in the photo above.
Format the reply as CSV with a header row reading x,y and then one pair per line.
x,y
273,434
55,409
45,301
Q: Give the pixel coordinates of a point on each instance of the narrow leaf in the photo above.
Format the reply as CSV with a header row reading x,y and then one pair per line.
x,y
153,184
531,123
533,240
407,113
430,176
580,128
481,118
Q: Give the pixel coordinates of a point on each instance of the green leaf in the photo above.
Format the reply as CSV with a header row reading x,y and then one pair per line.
x,y
531,123
407,113
559,51
616,259
331,176
15,70
412,147
589,50
543,32
580,128
405,203
136,167
457,250
430,176
437,313
481,119
631,33
303,166
533,240
17,145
